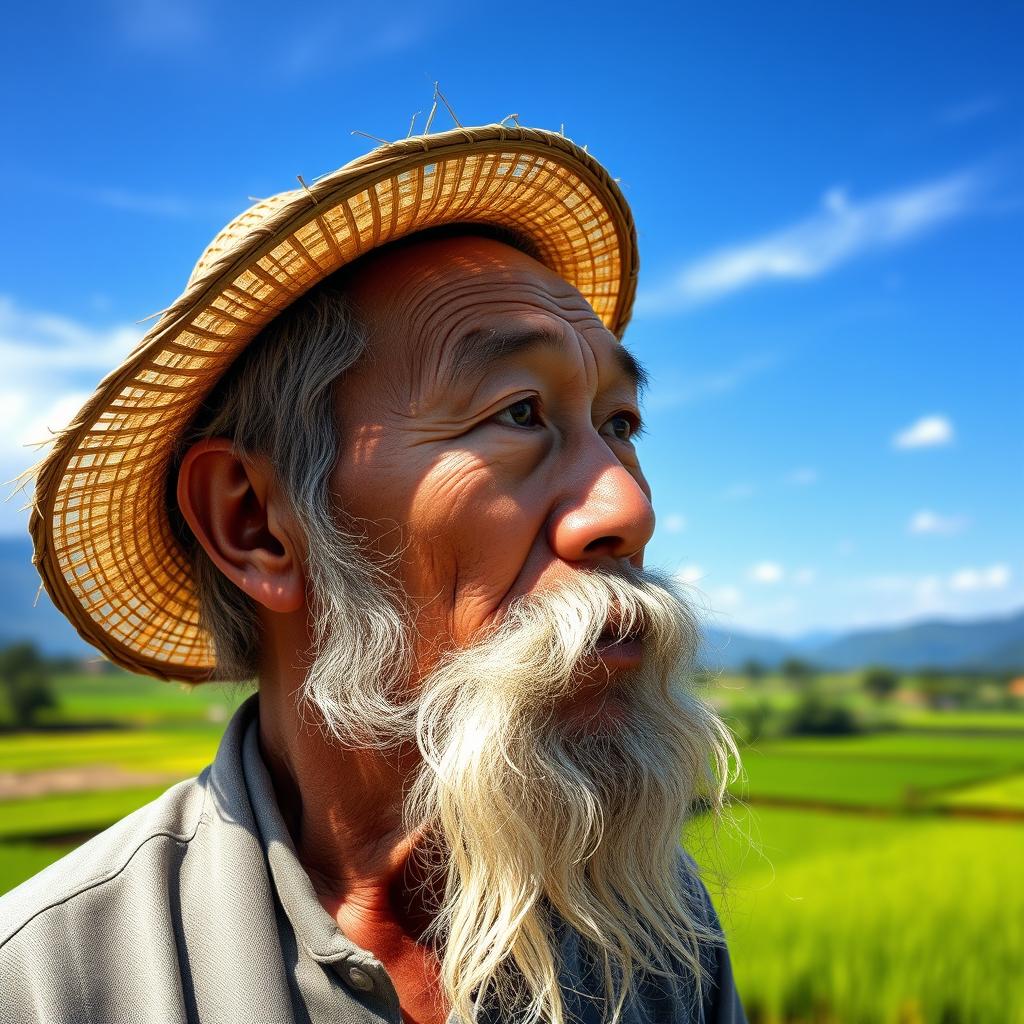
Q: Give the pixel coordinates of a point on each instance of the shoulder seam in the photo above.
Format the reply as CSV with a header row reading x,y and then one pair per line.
x,y
112,874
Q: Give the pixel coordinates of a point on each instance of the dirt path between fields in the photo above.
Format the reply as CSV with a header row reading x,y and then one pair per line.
x,y
86,778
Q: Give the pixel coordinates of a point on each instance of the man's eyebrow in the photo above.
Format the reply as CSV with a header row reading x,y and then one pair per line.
x,y
478,351
632,368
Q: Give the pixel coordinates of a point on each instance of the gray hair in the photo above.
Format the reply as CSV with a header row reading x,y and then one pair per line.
x,y
276,400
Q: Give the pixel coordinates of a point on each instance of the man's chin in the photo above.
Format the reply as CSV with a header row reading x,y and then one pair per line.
x,y
609,716
594,709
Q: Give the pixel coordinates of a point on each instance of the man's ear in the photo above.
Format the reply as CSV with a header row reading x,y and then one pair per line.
x,y
237,512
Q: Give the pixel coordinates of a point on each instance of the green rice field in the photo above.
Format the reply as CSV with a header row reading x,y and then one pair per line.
x,y
883,770
871,920
867,879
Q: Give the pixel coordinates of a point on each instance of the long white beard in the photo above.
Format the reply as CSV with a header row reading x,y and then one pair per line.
x,y
535,817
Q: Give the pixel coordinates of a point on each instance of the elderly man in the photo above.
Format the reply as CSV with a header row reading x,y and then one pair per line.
x,y
381,458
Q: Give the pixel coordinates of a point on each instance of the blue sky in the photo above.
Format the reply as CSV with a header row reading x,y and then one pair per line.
x,y
830,206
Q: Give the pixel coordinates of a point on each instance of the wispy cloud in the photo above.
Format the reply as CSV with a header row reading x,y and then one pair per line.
x,y
897,597
51,365
158,25
690,574
726,596
969,110
34,345
152,204
321,47
927,521
926,432
677,387
26,421
766,572
674,523
138,202
992,577
843,230
802,476
327,40
932,585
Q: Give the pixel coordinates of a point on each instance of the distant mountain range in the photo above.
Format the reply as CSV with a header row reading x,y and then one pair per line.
x,y
990,644
994,644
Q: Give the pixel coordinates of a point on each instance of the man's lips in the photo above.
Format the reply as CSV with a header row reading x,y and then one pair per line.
x,y
625,653
617,651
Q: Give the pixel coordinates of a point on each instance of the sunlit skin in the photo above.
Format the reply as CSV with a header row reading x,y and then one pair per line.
x,y
485,485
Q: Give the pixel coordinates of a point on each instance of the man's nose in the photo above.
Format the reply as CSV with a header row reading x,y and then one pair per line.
x,y
608,514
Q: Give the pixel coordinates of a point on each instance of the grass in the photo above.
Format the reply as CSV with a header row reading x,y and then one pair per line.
x,y
859,782
867,921
999,750
65,814
140,701
886,770
964,721
179,750
20,861
1002,794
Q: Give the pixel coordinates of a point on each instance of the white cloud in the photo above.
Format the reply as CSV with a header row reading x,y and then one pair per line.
x,y
690,574
892,598
802,476
51,364
899,583
674,523
766,572
994,577
23,423
928,431
843,230
726,596
34,345
931,588
927,521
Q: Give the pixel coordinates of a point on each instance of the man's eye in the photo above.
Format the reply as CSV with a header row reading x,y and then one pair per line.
x,y
520,414
620,426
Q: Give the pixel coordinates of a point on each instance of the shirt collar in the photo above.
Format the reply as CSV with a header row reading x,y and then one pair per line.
x,y
245,794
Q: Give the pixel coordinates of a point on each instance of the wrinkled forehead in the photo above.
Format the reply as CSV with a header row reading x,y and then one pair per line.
x,y
423,297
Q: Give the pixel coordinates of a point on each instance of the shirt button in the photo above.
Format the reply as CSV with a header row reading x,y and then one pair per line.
x,y
360,980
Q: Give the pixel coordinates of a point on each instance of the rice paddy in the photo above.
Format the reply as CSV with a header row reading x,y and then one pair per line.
x,y
868,879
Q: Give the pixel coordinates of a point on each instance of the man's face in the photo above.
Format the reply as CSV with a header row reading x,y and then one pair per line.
x,y
487,435
486,452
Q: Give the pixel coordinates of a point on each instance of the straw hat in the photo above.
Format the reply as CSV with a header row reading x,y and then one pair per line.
x,y
100,525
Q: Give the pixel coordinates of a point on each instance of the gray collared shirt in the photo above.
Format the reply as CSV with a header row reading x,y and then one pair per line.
x,y
196,908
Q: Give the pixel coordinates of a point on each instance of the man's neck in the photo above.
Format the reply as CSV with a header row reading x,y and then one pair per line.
x,y
343,809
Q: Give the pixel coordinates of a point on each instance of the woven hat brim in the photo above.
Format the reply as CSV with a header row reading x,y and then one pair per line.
x,y
103,542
